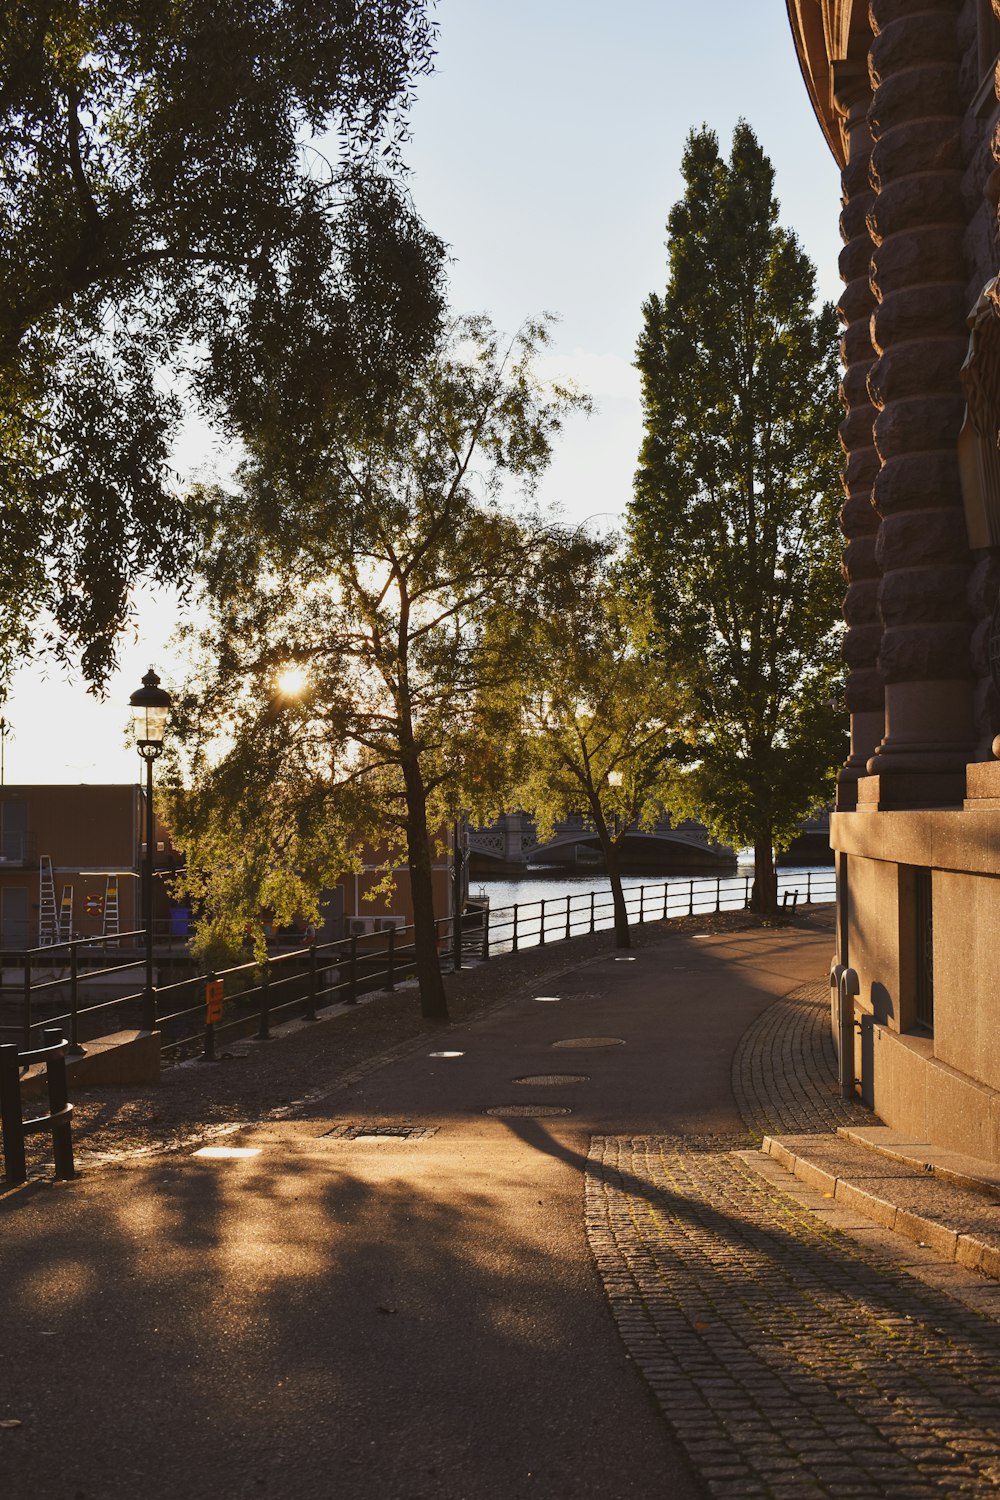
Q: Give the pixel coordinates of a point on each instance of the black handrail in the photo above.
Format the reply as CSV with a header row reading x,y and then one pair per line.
x,y
58,1121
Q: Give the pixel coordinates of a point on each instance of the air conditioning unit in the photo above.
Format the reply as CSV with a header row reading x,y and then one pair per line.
x,y
383,924
360,926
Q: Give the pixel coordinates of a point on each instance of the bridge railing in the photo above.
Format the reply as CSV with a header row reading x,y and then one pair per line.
x,y
532,924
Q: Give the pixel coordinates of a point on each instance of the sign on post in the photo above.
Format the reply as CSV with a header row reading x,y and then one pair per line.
x,y
214,993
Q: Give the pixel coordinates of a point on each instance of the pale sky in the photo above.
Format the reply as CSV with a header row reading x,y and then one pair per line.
x,y
546,153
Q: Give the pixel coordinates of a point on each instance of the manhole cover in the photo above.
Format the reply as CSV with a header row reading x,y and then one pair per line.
x,y
529,1111
590,1041
553,1078
380,1132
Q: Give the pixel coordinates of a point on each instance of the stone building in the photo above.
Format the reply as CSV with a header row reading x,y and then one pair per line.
x,y
905,93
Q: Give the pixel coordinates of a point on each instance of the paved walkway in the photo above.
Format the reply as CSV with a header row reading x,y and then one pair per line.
x,y
398,1297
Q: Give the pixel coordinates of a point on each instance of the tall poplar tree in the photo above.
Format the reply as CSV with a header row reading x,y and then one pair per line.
x,y
733,522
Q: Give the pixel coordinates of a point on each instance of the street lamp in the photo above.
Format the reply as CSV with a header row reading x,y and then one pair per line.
x,y
150,707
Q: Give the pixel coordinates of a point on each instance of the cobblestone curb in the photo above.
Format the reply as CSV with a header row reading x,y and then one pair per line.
x,y
790,1360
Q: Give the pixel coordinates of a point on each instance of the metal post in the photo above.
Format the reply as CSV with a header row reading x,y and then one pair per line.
x,y
456,898
718,894
74,1001
148,998
809,887
593,925
642,905
264,1029
541,926
60,1110
514,934
26,1025
14,1165
486,934
568,899
391,961
690,898
352,972
666,894
313,983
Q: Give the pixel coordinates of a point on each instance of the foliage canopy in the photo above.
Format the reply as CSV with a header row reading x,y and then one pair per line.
x,y
170,233
733,522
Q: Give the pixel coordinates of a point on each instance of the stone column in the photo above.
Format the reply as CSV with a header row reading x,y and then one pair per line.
x,y
919,332
858,518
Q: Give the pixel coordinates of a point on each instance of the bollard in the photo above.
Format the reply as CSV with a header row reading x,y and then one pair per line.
x,y
58,1121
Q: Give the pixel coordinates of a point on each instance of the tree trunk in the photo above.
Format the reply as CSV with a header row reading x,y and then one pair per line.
x,y
433,1003
764,896
609,849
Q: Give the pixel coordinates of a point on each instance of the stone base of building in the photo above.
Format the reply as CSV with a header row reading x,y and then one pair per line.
x,y
919,922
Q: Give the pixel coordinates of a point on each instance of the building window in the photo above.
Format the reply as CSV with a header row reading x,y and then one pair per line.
x,y
13,916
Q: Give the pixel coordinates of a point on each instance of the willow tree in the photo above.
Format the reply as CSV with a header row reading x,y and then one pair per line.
x,y
202,208
733,523
390,580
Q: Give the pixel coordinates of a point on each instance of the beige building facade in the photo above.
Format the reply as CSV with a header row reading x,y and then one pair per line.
x,y
905,92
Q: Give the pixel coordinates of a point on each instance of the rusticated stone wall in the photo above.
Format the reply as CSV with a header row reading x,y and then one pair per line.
x,y
859,520
917,221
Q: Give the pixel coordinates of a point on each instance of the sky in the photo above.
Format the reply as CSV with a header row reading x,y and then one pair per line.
x,y
545,152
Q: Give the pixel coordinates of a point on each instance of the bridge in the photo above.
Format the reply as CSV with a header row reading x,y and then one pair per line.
x,y
509,845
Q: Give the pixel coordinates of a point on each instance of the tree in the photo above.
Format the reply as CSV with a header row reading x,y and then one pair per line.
x,y
600,718
733,522
170,234
390,581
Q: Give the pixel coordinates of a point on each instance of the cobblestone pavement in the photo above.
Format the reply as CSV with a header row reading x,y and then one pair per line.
x,y
785,1069
791,1359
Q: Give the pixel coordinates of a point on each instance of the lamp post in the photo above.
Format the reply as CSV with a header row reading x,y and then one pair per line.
x,y
150,707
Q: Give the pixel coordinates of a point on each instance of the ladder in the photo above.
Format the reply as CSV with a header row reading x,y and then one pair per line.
x,y
48,927
111,924
66,914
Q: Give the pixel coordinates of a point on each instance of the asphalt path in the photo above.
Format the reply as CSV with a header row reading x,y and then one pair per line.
x,y
403,1318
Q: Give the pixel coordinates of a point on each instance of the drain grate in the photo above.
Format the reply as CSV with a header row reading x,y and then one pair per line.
x,y
380,1132
591,1041
553,1078
528,1111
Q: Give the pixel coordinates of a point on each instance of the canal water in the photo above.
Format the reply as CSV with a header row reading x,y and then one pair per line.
x,y
571,904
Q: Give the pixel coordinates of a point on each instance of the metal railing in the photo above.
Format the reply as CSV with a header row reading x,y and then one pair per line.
x,y
300,981
58,1121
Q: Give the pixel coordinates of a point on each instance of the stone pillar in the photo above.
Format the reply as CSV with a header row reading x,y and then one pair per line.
x,y
858,518
918,330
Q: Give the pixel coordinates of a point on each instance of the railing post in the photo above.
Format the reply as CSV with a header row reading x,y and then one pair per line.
x,y
690,898
59,1106
513,947
718,894
390,978
74,1002
456,941
593,926
666,894
642,905
14,1165
541,926
746,891
352,972
486,934
264,1029
26,1025
568,930
312,987
809,887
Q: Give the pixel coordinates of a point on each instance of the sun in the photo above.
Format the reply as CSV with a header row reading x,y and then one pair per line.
x,y
291,681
